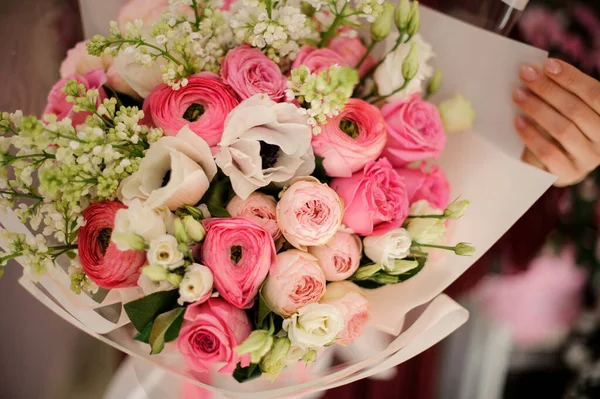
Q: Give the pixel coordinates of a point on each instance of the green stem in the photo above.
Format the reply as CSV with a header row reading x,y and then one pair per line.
x,y
161,52
434,246
339,18
373,69
377,99
364,57
421,253
196,15
61,248
18,194
427,217
43,155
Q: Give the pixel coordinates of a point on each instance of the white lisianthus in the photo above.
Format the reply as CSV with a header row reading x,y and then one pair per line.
x,y
385,249
150,286
457,114
314,326
388,75
197,284
427,231
164,251
137,220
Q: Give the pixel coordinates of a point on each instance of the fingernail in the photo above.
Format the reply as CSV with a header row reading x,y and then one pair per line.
x,y
520,122
552,66
529,73
519,95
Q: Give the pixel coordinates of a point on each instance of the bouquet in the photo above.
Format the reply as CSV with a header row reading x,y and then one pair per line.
x,y
235,176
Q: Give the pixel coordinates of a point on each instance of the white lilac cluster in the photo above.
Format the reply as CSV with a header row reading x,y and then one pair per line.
x,y
80,282
37,256
370,9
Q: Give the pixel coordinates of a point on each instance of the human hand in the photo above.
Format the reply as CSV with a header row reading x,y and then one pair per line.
x,y
561,129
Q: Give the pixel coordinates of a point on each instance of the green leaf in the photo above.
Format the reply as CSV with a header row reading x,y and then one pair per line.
x,y
161,326
144,310
263,308
243,374
173,331
217,197
144,336
375,280
319,171
413,272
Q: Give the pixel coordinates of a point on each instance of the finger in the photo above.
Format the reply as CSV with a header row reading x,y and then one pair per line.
x,y
559,127
568,104
577,82
530,158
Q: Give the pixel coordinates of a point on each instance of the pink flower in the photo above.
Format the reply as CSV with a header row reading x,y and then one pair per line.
x,y
376,199
353,305
203,105
57,100
259,208
541,27
239,252
352,50
348,141
317,60
149,11
248,71
429,185
309,213
415,131
100,259
340,257
210,333
295,280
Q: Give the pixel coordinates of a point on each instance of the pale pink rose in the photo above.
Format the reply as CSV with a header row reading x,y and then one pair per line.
x,y
209,334
348,141
415,131
353,305
317,60
431,185
258,207
206,91
149,11
309,213
57,100
352,49
295,280
340,257
240,253
376,200
248,72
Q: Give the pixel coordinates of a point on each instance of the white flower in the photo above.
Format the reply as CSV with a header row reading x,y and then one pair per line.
x,y
176,171
427,231
385,249
164,251
314,326
388,75
139,220
457,114
141,78
197,284
150,286
264,142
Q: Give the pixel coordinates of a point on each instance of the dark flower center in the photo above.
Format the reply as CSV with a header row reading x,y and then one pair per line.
x,y
268,154
104,239
194,112
349,127
236,254
166,178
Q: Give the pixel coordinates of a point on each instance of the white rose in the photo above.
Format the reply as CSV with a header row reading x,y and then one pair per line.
x,y
388,75
141,78
176,171
197,284
264,142
314,326
150,286
139,220
164,251
385,249
457,114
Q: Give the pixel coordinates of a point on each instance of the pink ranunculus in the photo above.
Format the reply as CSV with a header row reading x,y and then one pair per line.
x,y
295,280
352,49
317,59
260,208
340,257
57,100
376,199
203,104
415,131
248,72
309,213
100,259
240,253
209,334
348,141
353,305
431,185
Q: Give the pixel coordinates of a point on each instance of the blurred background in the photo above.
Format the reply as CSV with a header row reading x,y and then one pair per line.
x,y
535,324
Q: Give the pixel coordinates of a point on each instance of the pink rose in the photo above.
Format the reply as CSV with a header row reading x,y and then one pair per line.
x,y
260,208
415,131
57,100
100,258
248,71
352,50
309,213
239,252
347,297
429,185
295,280
203,105
376,199
348,141
317,60
340,257
210,333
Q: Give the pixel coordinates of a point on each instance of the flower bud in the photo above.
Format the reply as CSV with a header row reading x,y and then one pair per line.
x,y
434,83
456,209
402,15
155,272
402,266
410,66
310,356
273,362
174,279
129,241
381,28
194,228
365,272
427,231
414,23
258,344
385,279
180,232
457,114
464,249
